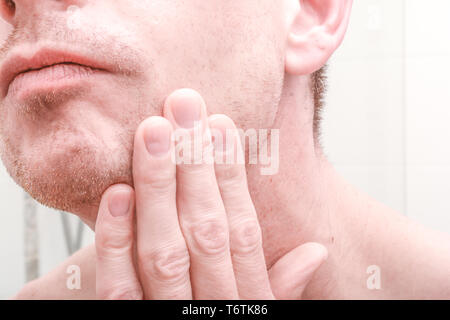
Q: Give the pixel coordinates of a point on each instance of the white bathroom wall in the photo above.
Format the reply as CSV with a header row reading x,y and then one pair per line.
x,y
386,121
363,127
12,263
428,111
385,126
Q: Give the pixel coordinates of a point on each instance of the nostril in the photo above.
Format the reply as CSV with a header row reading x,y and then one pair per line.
x,y
7,10
10,6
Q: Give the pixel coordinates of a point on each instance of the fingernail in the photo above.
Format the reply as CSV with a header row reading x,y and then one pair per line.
x,y
157,138
186,110
119,203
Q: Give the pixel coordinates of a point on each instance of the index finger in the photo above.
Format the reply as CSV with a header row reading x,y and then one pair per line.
x,y
163,257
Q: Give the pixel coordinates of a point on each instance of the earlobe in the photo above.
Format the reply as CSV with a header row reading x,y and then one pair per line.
x,y
317,30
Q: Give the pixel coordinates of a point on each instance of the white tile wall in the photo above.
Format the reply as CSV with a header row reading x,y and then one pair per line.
x,y
428,195
375,30
428,111
363,128
12,266
428,27
387,121
385,128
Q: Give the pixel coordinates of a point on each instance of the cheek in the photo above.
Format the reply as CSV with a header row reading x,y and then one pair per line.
x,y
226,50
238,74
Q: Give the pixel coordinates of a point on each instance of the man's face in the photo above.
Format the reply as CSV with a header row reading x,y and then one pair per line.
x,y
67,131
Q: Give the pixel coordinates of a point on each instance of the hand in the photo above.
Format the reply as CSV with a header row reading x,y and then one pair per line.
x,y
196,234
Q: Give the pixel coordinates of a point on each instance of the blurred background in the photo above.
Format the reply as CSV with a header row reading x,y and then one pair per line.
x,y
386,129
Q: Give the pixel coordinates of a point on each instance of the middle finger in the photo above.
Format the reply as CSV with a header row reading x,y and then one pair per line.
x,y
201,212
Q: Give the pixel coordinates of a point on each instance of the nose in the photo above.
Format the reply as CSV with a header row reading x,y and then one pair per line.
x,y
14,10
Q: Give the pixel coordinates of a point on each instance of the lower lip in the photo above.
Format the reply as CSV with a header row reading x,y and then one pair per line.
x,y
50,79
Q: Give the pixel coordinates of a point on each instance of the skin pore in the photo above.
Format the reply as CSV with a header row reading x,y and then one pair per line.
x,y
66,149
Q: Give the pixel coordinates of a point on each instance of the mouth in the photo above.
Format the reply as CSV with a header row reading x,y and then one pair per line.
x,y
45,70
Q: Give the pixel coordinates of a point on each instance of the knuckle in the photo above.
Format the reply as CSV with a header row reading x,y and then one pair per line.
x,y
166,264
162,181
246,237
230,173
211,237
111,241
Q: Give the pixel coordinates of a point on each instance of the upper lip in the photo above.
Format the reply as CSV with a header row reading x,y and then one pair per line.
x,y
16,64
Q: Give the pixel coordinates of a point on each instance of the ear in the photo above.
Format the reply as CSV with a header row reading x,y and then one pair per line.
x,y
317,28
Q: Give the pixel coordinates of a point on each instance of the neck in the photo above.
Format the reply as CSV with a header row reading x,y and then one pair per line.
x,y
307,201
291,202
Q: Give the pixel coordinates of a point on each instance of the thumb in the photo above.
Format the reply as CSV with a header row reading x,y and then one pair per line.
x,y
290,275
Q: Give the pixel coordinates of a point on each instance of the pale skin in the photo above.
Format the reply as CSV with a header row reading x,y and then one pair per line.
x,y
196,232
210,47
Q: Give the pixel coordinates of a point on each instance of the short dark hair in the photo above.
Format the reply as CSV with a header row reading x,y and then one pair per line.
x,y
318,87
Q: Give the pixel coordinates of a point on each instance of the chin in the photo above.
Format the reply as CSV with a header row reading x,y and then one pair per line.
x,y
72,179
